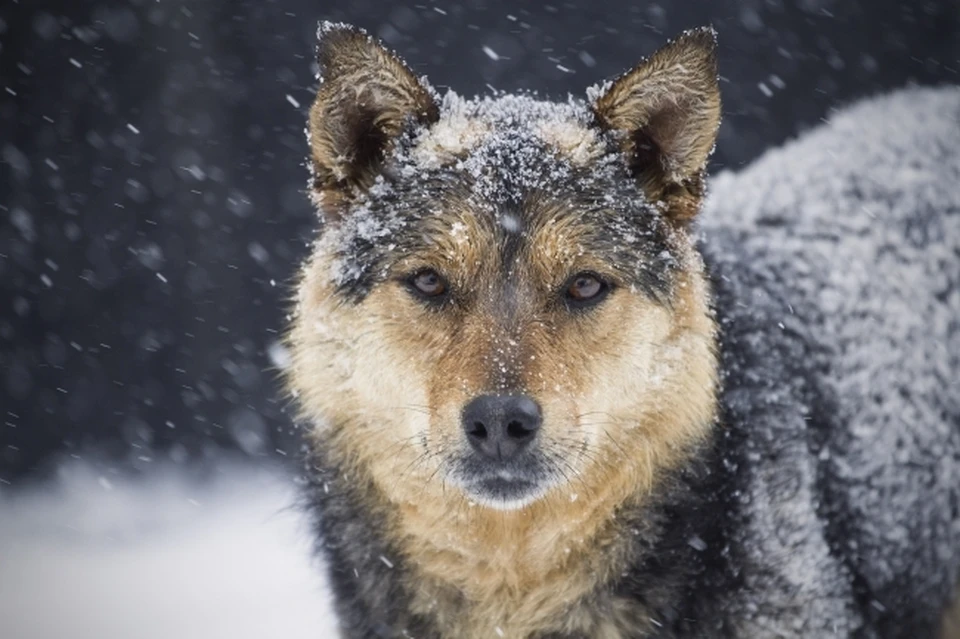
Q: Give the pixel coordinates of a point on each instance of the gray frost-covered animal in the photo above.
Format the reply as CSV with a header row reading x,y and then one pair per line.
x,y
554,394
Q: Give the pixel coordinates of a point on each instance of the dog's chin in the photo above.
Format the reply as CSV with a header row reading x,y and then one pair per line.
x,y
500,493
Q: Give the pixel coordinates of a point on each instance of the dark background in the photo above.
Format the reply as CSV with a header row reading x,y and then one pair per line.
x,y
152,205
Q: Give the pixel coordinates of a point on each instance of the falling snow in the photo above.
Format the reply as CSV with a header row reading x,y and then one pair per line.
x,y
490,53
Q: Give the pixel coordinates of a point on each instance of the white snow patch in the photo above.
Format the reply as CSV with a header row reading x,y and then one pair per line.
x,y
577,142
279,355
510,223
456,133
159,557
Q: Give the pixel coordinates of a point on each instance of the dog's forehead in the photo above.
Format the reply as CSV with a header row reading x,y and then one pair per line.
x,y
512,145
541,172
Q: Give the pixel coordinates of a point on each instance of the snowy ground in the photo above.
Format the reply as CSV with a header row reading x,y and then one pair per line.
x,y
160,557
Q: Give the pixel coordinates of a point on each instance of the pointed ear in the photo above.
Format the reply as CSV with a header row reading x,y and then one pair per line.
x,y
667,111
366,98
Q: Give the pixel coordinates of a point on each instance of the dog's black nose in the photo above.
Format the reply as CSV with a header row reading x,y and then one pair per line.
x,y
500,426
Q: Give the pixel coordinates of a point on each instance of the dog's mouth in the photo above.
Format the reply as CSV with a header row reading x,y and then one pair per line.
x,y
504,494
507,493
505,487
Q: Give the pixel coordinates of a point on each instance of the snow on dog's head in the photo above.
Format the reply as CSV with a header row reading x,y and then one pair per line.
x,y
505,296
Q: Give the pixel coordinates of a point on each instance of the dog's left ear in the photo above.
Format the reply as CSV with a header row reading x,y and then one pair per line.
x,y
667,112
367,97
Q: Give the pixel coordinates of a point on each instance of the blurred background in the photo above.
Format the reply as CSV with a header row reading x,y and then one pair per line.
x,y
152,181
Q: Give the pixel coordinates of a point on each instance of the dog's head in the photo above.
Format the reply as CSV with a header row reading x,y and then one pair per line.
x,y
505,300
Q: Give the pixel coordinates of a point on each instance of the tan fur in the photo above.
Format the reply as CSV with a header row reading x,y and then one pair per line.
x,y
951,620
578,144
451,137
670,102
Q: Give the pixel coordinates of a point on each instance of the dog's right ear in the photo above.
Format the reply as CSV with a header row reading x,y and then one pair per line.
x,y
666,112
366,98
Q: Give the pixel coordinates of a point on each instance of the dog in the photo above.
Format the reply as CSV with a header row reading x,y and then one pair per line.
x,y
544,404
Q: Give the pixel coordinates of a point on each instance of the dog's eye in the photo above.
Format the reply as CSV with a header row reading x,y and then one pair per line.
x,y
428,283
585,289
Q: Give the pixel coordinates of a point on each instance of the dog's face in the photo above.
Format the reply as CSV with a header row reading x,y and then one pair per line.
x,y
505,304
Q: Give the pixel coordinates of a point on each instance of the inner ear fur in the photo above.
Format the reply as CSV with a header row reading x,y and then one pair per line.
x,y
367,97
666,112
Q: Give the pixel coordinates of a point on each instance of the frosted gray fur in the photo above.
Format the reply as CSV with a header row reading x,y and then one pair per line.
x,y
850,238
